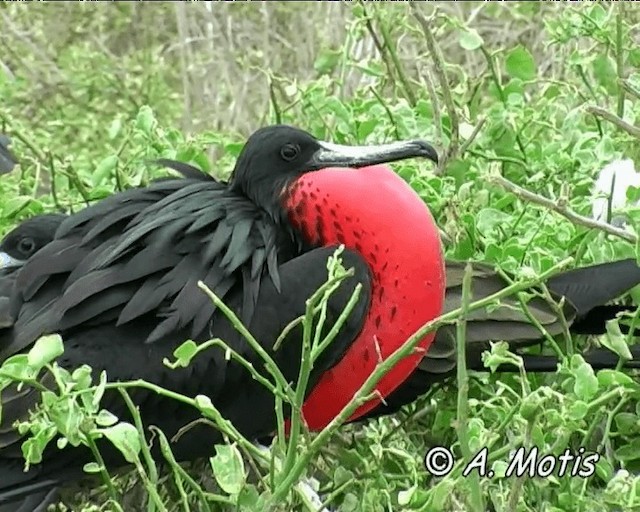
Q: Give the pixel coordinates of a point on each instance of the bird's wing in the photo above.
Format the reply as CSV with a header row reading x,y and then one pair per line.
x,y
506,321
239,398
585,291
142,252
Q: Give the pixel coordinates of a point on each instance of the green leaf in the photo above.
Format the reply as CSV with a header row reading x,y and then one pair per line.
x,y
45,350
228,468
604,69
499,468
342,476
248,498
608,378
586,384
489,218
627,423
630,451
92,467
99,392
327,61
125,438
145,120
531,405
17,367
578,410
114,128
82,377
104,169
184,353
13,205
616,341
404,496
106,419
470,39
604,469
441,494
520,64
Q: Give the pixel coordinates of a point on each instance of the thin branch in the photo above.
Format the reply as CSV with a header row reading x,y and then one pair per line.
x,y
388,53
387,110
474,134
437,116
619,57
562,209
629,88
438,68
462,375
634,131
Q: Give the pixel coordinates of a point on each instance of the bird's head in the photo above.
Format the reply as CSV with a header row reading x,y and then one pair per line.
x,y
28,238
276,155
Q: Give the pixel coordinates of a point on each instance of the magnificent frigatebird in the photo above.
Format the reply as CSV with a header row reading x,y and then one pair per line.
x,y
585,293
585,290
119,283
7,160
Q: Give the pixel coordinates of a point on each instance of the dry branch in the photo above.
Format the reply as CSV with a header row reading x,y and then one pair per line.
x,y
562,209
441,74
634,131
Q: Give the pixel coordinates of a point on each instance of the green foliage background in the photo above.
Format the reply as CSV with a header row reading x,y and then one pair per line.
x,y
91,92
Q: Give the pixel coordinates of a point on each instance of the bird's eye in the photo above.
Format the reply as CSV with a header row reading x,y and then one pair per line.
x,y
289,152
26,246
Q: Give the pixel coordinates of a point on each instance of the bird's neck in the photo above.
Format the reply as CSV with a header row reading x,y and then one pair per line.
x,y
374,212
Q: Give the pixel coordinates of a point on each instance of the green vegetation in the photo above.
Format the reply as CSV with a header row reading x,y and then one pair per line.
x,y
538,94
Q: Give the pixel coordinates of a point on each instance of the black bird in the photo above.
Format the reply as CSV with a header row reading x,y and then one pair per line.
x,y
16,248
7,160
586,292
119,283
584,289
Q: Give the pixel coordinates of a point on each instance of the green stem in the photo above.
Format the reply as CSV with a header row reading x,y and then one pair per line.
x,y
103,467
180,474
146,453
270,364
477,502
363,394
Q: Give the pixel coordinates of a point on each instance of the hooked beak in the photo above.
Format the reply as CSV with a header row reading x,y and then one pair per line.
x,y
337,155
7,261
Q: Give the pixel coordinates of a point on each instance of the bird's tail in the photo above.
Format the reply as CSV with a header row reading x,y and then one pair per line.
x,y
599,359
589,289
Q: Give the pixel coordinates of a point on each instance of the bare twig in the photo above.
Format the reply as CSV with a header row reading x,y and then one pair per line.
x,y
562,209
387,110
634,131
619,57
437,117
388,53
441,74
629,89
467,143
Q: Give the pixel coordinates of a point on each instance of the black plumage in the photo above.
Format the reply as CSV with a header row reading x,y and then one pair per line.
x,y
7,159
16,248
119,283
